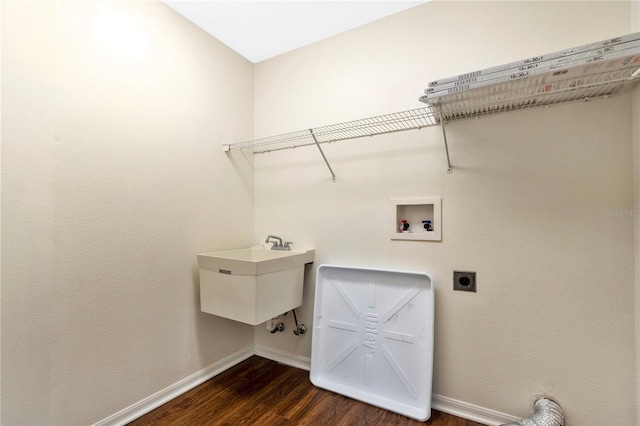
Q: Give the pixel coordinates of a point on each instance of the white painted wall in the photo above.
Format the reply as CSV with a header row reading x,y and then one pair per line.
x,y
635,127
525,206
113,179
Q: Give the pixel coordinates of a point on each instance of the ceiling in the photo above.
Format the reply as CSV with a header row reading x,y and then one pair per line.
x,y
260,30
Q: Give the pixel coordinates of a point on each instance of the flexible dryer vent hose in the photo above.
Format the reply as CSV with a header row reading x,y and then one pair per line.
x,y
545,413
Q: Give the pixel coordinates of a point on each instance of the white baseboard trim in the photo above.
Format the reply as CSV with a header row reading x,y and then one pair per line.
x,y
165,395
438,402
283,357
470,411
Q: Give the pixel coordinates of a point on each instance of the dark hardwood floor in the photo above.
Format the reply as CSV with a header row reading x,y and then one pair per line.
x,y
262,392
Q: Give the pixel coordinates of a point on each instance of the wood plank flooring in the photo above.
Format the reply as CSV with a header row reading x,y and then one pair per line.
x,y
262,392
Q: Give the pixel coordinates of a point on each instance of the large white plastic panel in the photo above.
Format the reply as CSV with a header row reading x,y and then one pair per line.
x,y
373,337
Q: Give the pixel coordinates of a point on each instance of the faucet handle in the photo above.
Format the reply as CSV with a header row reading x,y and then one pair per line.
x,y
287,245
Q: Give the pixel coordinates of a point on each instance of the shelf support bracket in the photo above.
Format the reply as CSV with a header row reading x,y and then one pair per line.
x,y
333,175
446,146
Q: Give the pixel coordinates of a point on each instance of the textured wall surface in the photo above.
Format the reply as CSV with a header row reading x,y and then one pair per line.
x,y
525,206
635,123
113,179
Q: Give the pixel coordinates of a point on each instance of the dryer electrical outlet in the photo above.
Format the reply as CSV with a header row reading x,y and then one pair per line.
x,y
464,281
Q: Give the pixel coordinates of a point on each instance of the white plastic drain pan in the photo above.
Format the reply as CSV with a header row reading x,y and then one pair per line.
x,y
373,337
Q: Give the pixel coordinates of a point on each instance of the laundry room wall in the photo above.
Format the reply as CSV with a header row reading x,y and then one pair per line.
x,y
525,207
113,179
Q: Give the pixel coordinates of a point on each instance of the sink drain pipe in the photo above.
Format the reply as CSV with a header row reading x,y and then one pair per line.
x,y
546,412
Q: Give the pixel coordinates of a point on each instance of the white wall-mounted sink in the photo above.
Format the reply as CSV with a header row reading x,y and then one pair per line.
x,y
252,285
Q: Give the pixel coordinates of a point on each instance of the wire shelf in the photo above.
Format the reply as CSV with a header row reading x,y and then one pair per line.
x,y
597,77
525,94
514,96
388,123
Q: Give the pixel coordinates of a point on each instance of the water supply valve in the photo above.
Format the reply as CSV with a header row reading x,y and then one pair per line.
x,y
277,328
427,225
300,328
404,226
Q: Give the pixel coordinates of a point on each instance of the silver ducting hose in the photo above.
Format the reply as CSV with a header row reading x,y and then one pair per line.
x,y
545,413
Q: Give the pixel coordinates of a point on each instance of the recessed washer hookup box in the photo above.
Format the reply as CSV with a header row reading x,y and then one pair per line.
x,y
373,337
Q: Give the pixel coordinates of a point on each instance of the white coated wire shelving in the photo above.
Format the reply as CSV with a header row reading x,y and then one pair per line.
x,y
513,96
388,123
523,94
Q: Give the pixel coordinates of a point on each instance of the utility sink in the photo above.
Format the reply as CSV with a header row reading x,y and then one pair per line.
x,y
252,285
254,261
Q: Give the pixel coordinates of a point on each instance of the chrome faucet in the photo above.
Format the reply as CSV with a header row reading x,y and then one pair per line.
x,y
277,245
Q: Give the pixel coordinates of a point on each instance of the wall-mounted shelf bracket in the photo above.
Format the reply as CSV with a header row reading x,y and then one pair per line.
x,y
446,146
333,175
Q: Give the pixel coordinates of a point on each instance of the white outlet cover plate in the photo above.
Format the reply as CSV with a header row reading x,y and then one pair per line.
x,y
373,337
